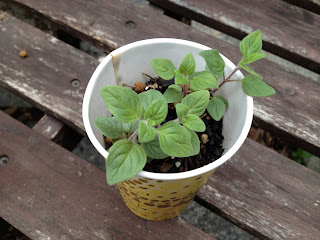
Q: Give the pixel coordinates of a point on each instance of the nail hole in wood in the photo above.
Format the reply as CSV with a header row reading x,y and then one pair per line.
x,y
4,160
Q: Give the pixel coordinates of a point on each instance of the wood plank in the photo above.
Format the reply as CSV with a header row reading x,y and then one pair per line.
x,y
310,5
50,193
48,127
45,76
291,113
265,194
288,31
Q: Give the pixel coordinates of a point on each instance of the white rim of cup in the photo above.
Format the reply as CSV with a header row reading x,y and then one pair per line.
x,y
163,176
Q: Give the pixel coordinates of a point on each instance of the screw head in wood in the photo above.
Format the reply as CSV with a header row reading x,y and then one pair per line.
x,y
75,82
4,160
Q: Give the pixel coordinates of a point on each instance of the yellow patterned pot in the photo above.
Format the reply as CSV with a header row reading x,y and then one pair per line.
x,y
159,196
158,199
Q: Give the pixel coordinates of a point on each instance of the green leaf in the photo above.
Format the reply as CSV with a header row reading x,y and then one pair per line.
x,y
146,133
253,86
156,112
250,70
188,65
244,49
251,43
176,87
122,102
195,143
214,61
163,67
174,140
172,95
193,122
215,76
124,161
254,57
223,99
109,126
180,79
216,108
153,149
149,97
182,110
197,102
130,127
203,80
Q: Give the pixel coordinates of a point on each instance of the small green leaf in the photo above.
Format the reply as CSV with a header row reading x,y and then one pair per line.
x,y
180,79
109,126
195,143
124,161
214,61
250,70
254,57
130,127
188,65
172,95
146,133
203,80
156,112
182,110
149,97
253,86
223,99
215,76
251,43
176,87
153,149
193,122
164,68
197,102
216,108
244,49
174,140
123,103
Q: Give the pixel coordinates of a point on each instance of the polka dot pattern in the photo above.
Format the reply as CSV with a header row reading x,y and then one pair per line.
x,y
160,199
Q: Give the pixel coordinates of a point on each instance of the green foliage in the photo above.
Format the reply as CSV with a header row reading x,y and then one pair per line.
x,y
299,155
217,106
164,68
123,103
138,126
125,160
188,65
203,80
253,86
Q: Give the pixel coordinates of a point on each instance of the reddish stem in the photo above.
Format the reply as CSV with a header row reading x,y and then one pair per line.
x,y
225,80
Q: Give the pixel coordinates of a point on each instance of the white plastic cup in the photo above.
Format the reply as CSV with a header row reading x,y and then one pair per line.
x,y
159,196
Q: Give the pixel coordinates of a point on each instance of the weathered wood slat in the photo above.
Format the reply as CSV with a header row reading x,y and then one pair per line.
x,y
310,5
44,77
288,31
292,112
50,193
269,196
48,127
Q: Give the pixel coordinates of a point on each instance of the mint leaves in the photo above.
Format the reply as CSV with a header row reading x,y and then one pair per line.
x,y
138,127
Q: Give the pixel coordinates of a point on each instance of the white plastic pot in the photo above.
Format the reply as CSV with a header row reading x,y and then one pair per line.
x,y
171,191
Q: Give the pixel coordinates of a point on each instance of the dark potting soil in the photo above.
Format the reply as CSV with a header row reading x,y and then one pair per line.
x,y
211,140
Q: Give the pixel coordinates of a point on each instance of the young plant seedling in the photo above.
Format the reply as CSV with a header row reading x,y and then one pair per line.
x,y
137,127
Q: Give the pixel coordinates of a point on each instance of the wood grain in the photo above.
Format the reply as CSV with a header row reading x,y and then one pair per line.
x,y
48,127
265,194
288,31
292,113
50,193
310,5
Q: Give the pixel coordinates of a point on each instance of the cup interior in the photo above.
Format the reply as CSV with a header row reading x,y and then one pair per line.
x,y
126,65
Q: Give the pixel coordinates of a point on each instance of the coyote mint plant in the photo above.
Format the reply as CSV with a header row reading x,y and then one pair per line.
x,y
137,128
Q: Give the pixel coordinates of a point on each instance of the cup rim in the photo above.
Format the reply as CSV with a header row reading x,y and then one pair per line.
x,y
163,176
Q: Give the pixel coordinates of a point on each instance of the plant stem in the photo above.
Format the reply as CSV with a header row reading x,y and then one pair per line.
x,y
134,136
225,80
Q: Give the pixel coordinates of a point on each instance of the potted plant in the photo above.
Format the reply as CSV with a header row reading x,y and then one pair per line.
x,y
137,126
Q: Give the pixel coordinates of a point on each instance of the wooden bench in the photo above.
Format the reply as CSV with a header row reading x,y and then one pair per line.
x,y
49,193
